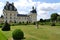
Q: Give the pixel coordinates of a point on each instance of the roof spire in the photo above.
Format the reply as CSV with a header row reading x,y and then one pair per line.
x,y
33,8
7,3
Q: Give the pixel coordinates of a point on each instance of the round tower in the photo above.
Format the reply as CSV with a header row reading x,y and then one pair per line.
x,y
33,15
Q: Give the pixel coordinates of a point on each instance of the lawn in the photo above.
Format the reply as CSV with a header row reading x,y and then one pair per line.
x,y
44,32
2,36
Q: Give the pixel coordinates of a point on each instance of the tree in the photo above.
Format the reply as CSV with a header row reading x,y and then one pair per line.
x,y
58,18
41,20
6,27
53,18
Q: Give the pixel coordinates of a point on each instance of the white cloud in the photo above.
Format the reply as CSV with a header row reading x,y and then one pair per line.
x,y
43,9
1,4
59,13
1,8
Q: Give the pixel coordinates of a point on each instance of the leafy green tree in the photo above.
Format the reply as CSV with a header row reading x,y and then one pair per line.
x,y
41,20
58,18
53,18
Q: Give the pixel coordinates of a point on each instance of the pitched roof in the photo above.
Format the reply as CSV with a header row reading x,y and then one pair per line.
x,y
33,11
22,15
8,7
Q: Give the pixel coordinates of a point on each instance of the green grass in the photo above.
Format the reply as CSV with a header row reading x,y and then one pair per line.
x,y
2,37
45,32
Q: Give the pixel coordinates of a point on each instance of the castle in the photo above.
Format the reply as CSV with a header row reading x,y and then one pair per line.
x,y
11,14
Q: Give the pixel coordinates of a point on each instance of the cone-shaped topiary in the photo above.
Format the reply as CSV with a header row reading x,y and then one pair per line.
x,y
6,27
17,34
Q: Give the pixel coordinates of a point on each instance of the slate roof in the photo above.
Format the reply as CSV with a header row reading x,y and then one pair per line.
x,y
8,7
22,15
33,11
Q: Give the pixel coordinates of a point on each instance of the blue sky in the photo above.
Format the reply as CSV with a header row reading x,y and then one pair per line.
x,y
44,7
48,1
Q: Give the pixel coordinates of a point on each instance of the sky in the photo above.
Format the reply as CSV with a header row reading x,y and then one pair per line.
x,y
44,7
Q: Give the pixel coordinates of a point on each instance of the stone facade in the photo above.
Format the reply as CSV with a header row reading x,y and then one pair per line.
x,y
11,14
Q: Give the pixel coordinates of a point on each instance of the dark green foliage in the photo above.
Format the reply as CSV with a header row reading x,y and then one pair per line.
x,y
23,22
6,27
0,26
14,21
19,22
17,34
41,20
34,23
54,16
27,22
58,18
53,24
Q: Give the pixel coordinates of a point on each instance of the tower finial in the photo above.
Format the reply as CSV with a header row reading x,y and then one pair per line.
x,y
7,3
33,7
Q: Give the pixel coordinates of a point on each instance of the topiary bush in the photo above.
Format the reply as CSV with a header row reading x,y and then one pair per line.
x,y
17,34
53,24
0,26
6,27
34,23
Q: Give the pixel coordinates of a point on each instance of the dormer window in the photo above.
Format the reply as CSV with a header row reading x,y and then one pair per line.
x,y
15,9
6,7
10,7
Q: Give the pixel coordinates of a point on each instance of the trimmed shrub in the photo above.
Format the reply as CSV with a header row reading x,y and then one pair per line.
x,y
12,24
34,23
0,26
53,24
6,27
17,34
20,23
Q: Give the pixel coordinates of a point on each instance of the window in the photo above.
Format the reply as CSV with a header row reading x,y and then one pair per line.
x,y
10,17
25,17
19,18
14,17
14,21
14,14
6,7
6,17
10,14
10,7
6,13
